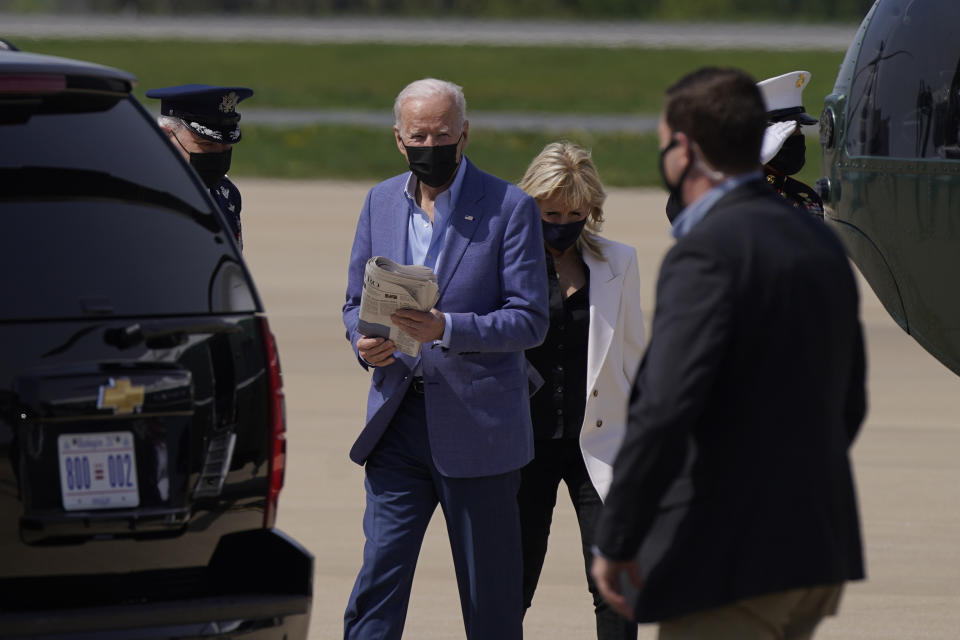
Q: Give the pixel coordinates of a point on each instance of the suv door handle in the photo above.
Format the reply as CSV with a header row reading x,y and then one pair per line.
x,y
164,335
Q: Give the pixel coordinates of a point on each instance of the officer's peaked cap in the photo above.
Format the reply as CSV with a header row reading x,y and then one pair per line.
x,y
209,111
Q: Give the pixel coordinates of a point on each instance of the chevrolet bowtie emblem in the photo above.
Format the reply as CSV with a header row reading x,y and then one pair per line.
x,y
121,396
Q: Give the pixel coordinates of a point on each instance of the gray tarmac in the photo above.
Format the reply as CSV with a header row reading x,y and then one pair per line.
x,y
297,239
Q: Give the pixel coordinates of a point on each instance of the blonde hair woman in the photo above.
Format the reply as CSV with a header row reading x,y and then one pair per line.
x,y
587,362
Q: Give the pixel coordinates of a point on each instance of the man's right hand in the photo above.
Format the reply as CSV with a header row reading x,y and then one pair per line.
x,y
609,576
377,352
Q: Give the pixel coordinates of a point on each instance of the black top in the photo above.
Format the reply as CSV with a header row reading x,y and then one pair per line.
x,y
557,408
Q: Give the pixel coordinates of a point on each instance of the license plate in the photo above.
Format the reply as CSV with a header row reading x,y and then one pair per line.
x,y
98,471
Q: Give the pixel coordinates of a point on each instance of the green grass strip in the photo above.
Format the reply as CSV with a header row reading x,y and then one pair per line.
x,y
368,76
361,153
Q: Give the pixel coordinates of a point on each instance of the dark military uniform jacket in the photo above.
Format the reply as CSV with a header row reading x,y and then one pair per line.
x,y
227,197
796,193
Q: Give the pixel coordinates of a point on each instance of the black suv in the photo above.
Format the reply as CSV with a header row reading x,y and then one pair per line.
x,y
141,403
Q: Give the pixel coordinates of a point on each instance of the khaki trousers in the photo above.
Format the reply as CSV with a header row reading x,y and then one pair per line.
x,y
785,615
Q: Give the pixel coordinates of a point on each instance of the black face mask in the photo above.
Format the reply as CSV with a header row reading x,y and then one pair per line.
x,y
210,166
792,155
675,202
562,236
435,165
673,207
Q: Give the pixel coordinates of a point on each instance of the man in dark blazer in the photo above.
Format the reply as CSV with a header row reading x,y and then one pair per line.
x,y
452,425
732,511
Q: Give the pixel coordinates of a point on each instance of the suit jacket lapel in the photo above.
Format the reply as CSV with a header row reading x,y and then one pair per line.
x,y
400,208
605,289
464,221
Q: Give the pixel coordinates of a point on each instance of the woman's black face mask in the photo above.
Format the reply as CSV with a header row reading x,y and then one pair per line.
x,y
562,236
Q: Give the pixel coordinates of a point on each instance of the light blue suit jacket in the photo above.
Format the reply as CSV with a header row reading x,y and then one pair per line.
x,y
492,280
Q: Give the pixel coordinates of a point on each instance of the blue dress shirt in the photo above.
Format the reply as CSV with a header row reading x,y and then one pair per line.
x,y
425,238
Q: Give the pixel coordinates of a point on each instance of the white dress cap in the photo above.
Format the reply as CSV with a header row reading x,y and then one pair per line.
x,y
783,96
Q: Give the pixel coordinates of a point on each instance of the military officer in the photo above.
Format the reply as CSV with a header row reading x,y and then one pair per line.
x,y
784,145
203,123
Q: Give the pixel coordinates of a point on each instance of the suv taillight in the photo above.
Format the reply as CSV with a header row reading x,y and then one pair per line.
x,y
32,83
278,440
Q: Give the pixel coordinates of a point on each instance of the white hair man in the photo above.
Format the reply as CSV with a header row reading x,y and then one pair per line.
x,y
450,426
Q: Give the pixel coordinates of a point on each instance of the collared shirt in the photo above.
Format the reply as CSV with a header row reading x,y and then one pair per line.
x,y
689,217
425,238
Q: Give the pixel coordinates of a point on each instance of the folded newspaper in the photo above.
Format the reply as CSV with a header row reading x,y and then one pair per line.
x,y
388,286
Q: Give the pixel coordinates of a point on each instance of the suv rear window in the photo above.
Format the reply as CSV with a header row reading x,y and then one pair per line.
x,y
100,217
113,138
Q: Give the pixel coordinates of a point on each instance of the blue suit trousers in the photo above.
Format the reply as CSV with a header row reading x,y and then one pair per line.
x,y
403,489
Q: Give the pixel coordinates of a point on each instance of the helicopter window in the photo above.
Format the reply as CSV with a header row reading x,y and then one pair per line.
x,y
905,95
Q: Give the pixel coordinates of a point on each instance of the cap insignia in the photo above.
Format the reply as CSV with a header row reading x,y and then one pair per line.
x,y
800,79
229,102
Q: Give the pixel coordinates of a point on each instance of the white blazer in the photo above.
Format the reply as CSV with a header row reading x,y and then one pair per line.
x,y
614,348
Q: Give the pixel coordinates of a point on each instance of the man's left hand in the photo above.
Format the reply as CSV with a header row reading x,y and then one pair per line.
x,y
608,576
423,326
